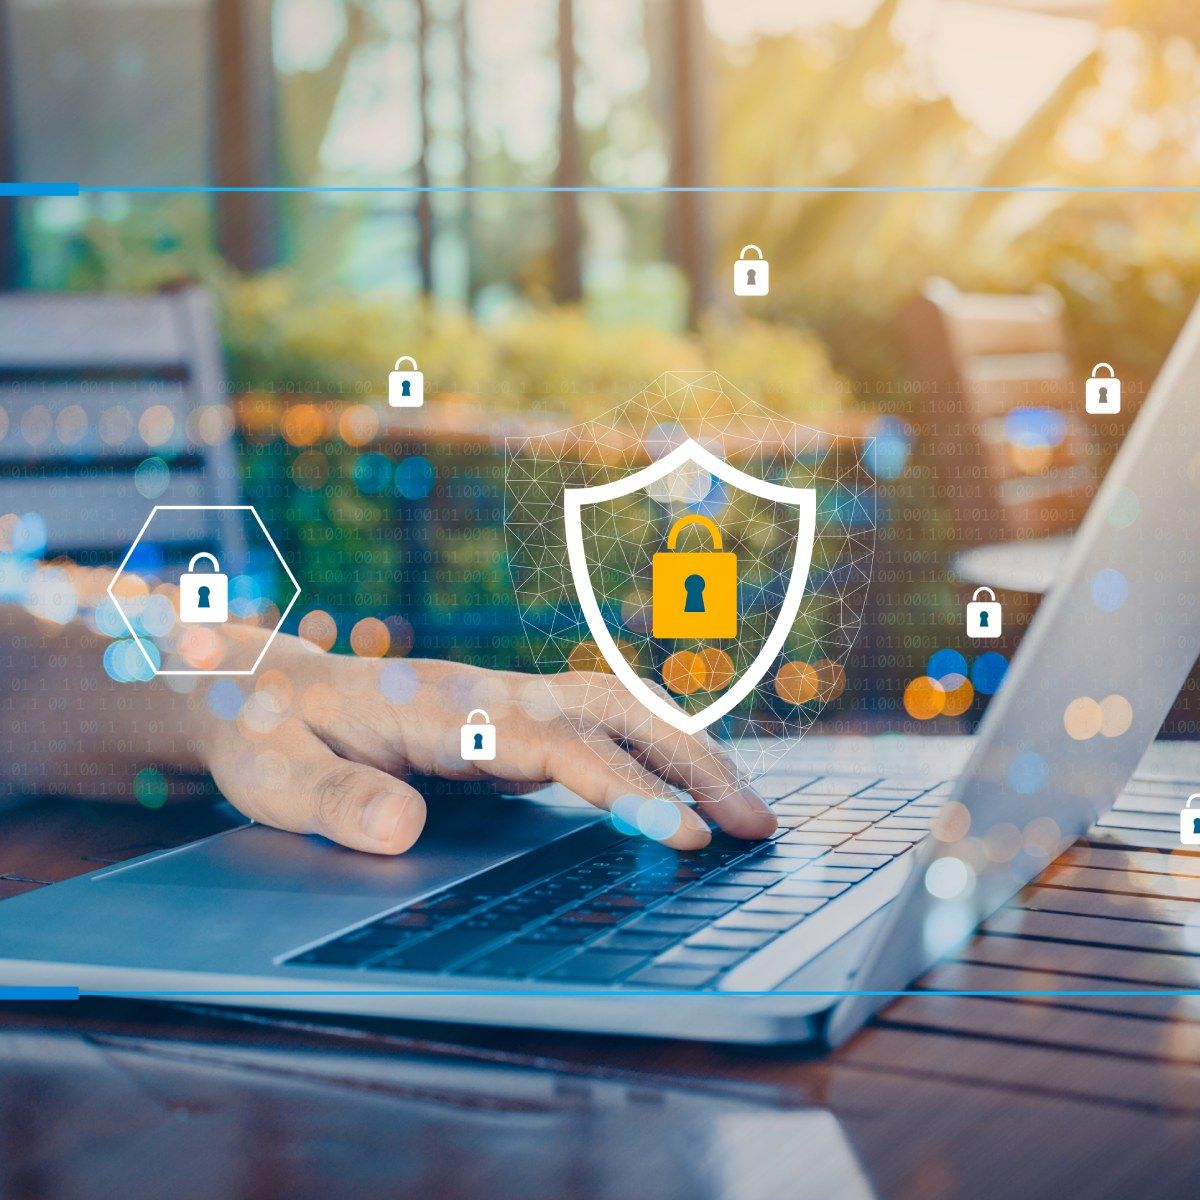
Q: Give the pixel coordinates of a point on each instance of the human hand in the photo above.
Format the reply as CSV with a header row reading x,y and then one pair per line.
x,y
321,742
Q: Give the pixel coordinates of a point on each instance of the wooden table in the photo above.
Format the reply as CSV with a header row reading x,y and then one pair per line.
x,y
941,1097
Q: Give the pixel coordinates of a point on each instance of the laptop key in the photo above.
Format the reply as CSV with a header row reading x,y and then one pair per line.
x,y
693,908
722,891
787,809
840,785
886,792
672,977
771,902
449,904
869,861
731,939
694,956
593,967
782,851
829,872
867,845
908,836
796,886
869,809
776,921
772,787
752,877
334,954
620,900
438,950
636,943
592,917
514,960
380,936
801,837
826,825
498,922
407,919
555,932
654,923
649,887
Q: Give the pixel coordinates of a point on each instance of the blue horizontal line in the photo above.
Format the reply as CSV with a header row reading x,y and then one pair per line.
x,y
39,189
39,993
526,189
647,992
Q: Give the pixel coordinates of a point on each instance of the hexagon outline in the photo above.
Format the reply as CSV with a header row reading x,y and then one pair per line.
x,y
203,508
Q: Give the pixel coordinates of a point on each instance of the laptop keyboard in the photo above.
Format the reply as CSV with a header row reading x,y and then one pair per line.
x,y
598,907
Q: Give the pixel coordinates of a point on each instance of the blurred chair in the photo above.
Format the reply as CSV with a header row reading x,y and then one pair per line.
x,y
91,386
1000,424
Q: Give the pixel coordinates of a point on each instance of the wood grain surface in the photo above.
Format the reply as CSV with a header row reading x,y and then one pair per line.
x,y
942,1096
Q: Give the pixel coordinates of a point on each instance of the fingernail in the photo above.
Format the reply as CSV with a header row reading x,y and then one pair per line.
x,y
694,821
381,816
758,810
752,800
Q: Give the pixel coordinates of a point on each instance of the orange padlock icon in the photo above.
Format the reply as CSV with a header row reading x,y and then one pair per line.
x,y
694,593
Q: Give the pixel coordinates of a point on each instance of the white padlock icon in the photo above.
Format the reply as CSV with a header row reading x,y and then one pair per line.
x,y
751,276
984,619
406,389
1189,822
477,742
1102,393
204,595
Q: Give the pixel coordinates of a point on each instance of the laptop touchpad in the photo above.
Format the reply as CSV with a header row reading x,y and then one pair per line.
x,y
462,835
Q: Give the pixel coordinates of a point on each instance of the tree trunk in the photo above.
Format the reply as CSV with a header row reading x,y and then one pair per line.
x,y
466,99
242,140
10,251
424,206
691,230
568,282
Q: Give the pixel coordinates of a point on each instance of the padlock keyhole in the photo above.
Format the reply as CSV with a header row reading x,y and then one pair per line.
x,y
750,274
1104,395
983,620
203,592
406,390
479,741
693,585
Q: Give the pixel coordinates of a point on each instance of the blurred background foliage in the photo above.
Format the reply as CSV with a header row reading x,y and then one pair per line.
x,y
536,306
549,359
823,105
854,107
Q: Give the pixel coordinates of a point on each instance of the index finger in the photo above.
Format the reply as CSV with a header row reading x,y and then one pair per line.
x,y
596,769
694,762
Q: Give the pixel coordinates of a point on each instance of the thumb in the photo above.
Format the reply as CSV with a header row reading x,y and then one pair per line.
x,y
361,807
347,802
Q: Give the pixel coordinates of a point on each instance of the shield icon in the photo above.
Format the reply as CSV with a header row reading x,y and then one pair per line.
x,y
691,454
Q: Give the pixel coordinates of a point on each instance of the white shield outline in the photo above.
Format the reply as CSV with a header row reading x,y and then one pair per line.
x,y
804,500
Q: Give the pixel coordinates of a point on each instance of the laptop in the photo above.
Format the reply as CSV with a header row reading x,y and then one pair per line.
x,y
535,912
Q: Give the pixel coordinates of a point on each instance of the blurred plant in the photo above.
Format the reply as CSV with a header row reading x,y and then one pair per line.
x,y
1164,18
278,336
551,359
846,107
129,246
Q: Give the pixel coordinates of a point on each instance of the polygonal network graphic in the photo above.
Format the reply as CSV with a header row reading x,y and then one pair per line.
x,y
180,620
597,584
